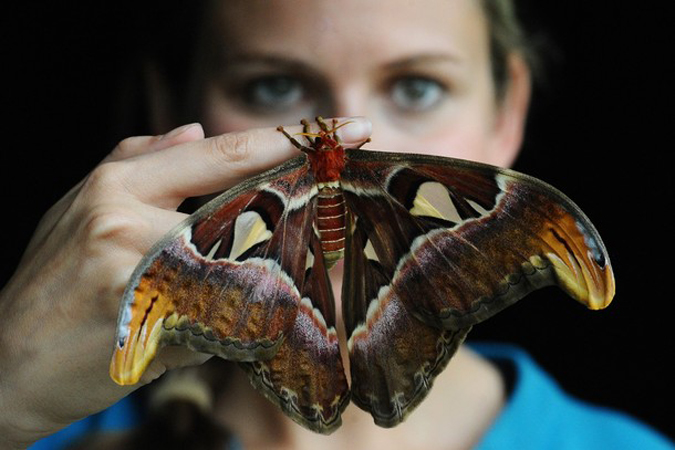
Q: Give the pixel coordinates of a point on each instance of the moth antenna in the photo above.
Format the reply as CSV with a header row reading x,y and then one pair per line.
x,y
336,127
324,128
306,131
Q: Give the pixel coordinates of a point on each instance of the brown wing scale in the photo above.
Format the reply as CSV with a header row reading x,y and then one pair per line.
x,y
227,281
306,378
437,245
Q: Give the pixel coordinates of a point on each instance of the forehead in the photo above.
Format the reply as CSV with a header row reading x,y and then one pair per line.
x,y
348,30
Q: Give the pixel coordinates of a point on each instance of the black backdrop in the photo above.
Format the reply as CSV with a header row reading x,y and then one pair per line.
x,y
597,131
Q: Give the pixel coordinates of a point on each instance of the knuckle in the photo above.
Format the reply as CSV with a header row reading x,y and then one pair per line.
x,y
104,177
232,147
107,225
129,146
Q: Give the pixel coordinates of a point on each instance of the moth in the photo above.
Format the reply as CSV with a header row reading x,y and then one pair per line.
x,y
431,247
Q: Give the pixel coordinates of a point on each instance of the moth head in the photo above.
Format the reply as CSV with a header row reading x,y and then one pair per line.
x,y
326,139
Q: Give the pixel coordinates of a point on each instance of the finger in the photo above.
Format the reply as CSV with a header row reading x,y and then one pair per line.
x,y
211,165
138,145
127,148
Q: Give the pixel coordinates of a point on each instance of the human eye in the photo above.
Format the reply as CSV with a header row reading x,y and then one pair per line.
x,y
413,93
273,93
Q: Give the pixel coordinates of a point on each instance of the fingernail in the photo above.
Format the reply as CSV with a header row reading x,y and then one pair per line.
x,y
178,131
357,130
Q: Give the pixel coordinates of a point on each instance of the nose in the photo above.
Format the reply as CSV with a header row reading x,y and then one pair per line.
x,y
358,99
349,100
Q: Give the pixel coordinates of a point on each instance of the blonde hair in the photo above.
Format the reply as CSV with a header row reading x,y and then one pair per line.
x,y
508,36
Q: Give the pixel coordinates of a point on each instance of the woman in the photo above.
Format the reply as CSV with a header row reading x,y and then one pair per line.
x,y
443,78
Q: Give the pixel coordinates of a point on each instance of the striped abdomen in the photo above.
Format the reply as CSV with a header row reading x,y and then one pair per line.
x,y
331,222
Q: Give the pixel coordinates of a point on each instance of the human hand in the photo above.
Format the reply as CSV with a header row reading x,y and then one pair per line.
x,y
58,312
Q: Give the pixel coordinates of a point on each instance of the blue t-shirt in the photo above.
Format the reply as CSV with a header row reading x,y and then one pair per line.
x,y
538,415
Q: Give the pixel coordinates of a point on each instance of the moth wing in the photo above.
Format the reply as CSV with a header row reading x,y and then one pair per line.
x,y
460,240
393,356
306,378
227,281
451,243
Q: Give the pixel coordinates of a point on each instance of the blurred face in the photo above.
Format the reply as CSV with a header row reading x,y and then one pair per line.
x,y
420,71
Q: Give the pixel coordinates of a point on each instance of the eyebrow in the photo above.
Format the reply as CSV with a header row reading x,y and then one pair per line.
x,y
292,63
269,59
426,58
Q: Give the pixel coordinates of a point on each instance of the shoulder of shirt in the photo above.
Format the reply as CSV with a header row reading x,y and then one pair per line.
x,y
539,414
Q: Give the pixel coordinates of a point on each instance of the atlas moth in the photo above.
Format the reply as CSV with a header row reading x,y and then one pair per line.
x,y
431,247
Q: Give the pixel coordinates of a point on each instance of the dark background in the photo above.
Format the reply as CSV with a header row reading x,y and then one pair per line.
x,y
597,131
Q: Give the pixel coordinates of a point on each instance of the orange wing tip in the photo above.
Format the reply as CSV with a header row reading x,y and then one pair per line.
x,y
594,287
130,361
